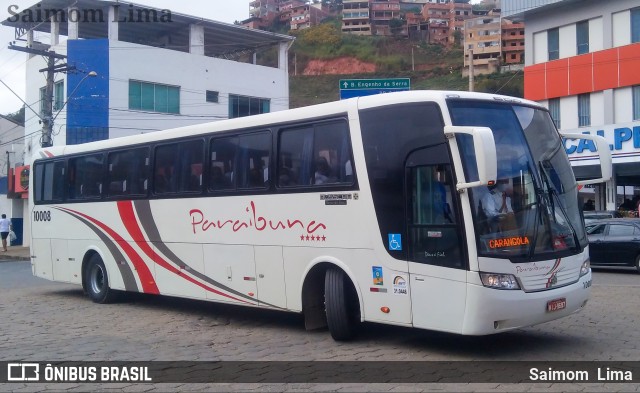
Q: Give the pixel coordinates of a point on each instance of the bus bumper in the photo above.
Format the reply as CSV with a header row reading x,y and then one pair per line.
x,y
491,311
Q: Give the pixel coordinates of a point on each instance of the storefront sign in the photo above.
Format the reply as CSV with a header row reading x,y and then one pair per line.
x,y
623,138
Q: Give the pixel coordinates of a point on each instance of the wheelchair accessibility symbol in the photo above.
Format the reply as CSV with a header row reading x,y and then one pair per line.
x,y
395,242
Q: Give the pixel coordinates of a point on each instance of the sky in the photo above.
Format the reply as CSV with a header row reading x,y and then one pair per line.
x,y
12,62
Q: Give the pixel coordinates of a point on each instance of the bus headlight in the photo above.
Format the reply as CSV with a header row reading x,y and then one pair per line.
x,y
586,267
499,281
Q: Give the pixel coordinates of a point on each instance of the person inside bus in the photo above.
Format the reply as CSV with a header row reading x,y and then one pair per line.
x,y
323,172
496,205
162,179
433,196
218,180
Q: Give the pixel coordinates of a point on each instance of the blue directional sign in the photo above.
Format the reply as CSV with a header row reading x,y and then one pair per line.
x,y
365,87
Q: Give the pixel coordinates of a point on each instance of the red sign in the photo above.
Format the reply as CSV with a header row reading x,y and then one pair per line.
x,y
21,181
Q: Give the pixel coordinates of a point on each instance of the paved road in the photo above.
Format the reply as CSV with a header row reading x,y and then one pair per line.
x,y
44,321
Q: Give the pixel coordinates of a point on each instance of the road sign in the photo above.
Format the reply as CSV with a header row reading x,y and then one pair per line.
x,y
364,87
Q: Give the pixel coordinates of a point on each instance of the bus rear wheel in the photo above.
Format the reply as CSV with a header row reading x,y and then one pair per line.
x,y
97,281
341,305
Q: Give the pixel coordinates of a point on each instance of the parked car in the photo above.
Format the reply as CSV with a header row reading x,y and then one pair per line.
x,y
595,215
615,242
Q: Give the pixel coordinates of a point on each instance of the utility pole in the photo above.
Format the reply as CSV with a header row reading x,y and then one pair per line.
x,y
471,70
51,70
47,116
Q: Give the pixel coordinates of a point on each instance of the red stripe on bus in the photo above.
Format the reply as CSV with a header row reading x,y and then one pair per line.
x,y
146,278
48,154
125,208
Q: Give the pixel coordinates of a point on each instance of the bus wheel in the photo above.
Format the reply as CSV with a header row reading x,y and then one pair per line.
x,y
98,281
341,305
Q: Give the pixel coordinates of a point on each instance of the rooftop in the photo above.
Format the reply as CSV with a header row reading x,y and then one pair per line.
x,y
143,25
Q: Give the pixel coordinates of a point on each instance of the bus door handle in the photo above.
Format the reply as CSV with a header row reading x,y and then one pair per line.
x,y
419,278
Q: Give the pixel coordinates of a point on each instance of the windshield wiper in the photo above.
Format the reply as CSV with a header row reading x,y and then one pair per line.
x,y
554,198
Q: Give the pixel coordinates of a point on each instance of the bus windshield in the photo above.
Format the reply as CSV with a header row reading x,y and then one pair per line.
x,y
532,212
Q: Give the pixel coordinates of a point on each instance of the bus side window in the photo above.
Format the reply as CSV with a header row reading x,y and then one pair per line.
x,y
253,160
318,154
164,169
221,162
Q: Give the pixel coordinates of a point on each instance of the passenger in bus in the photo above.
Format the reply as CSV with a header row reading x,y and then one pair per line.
x,y
162,179
285,177
323,172
218,180
256,179
497,207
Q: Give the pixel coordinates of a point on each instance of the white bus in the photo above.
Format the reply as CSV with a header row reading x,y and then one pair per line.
x,y
449,211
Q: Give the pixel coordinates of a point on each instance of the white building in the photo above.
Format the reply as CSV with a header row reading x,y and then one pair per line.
x,y
12,158
135,69
581,61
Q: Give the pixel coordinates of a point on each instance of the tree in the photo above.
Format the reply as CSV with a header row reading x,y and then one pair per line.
x,y
17,116
457,38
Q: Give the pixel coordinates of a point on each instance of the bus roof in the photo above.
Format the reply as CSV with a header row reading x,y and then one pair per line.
x,y
308,112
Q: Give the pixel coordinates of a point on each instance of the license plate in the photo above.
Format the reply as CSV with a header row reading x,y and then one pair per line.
x,y
557,304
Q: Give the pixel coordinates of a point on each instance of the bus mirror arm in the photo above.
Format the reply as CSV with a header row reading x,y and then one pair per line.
x,y
485,151
603,151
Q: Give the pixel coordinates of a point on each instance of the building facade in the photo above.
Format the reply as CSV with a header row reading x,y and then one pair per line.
x,y
482,37
385,18
582,63
13,172
356,17
306,15
446,20
495,41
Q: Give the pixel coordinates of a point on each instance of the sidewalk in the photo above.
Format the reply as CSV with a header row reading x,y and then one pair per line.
x,y
16,253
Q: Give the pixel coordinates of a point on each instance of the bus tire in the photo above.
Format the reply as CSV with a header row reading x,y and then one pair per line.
x,y
97,281
341,305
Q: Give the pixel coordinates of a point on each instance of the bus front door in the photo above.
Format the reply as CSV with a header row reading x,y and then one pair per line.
x,y
436,253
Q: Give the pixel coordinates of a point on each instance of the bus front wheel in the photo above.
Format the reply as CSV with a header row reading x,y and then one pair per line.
x,y
97,281
341,305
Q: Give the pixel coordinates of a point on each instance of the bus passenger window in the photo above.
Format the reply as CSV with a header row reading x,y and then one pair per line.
x,y
317,154
85,177
222,159
253,160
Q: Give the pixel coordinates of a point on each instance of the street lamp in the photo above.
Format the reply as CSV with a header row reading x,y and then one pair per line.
x,y
48,119
90,74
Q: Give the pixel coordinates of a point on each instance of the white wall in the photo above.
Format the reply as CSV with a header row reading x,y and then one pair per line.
x,y
597,108
596,38
568,41
621,28
194,74
540,48
569,112
623,104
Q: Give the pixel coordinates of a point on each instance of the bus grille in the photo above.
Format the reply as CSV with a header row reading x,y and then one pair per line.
x,y
542,282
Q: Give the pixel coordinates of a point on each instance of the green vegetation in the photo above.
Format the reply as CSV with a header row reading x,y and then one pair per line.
x,y
311,90
17,116
429,66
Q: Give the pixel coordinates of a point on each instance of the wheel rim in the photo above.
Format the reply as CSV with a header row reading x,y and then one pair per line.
x,y
96,279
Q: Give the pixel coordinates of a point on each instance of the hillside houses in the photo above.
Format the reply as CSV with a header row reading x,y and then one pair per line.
x,y
493,40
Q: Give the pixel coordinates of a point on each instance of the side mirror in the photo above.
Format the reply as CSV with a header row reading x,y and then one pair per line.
x,y
485,150
603,151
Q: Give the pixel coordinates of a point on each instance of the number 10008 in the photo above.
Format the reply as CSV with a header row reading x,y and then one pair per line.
x,y
42,215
